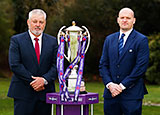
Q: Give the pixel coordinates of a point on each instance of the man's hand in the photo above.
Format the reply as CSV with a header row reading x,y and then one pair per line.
x,y
37,83
115,89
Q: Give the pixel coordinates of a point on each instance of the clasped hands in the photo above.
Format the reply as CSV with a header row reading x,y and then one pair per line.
x,y
115,89
38,83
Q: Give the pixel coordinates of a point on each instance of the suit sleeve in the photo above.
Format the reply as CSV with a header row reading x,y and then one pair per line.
x,y
104,65
15,61
51,75
140,67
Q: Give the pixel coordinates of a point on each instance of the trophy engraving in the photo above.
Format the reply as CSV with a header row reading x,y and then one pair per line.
x,y
75,42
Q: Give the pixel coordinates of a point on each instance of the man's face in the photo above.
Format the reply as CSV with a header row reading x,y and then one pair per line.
x,y
36,24
126,19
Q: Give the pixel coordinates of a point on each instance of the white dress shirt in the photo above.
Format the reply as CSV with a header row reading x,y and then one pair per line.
x,y
33,41
126,35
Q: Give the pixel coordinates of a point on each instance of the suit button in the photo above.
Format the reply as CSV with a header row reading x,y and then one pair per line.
x,y
118,66
117,76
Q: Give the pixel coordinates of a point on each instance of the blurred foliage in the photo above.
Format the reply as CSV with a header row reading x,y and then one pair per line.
x,y
6,30
153,73
99,16
22,8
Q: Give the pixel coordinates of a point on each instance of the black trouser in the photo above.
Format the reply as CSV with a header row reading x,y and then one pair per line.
x,y
31,107
115,106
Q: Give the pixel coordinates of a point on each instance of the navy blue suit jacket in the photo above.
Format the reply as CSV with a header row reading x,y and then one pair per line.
x,y
129,68
23,63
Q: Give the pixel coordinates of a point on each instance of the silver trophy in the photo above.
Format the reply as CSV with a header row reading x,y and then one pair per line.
x,y
72,50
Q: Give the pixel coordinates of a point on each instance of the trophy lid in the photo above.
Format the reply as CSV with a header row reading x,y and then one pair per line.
x,y
73,27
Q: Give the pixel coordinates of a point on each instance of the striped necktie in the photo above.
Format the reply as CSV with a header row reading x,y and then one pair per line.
x,y
120,44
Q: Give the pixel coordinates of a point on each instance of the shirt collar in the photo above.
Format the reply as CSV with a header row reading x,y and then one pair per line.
x,y
126,33
32,36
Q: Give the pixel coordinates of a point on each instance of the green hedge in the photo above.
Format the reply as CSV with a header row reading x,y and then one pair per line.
x,y
153,71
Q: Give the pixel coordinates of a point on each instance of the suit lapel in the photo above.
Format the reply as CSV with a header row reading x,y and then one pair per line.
x,y
127,44
44,43
31,49
115,48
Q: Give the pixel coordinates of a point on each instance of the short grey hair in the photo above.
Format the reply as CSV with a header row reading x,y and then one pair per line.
x,y
37,11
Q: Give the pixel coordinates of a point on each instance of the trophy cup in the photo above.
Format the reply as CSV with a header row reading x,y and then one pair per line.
x,y
74,41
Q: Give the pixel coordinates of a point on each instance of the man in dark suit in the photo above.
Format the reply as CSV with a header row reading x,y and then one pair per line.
x,y
122,66
32,59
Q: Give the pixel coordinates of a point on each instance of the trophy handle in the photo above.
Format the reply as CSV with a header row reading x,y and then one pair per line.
x,y
59,34
88,38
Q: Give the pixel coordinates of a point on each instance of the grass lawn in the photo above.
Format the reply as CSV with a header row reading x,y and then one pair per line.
x,y
6,104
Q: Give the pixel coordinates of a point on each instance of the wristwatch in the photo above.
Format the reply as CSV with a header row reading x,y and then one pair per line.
x,y
45,82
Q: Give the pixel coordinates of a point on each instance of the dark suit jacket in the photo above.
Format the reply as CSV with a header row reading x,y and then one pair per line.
x,y
23,63
127,69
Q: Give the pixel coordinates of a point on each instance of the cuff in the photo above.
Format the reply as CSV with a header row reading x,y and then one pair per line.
x,y
122,86
107,86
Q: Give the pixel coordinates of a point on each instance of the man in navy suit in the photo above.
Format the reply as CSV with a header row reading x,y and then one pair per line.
x,y
32,59
122,66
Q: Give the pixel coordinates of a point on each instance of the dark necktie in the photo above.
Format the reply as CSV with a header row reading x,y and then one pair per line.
x,y
37,49
120,45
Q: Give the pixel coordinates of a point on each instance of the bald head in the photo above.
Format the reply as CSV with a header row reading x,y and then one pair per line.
x,y
126,19
128,10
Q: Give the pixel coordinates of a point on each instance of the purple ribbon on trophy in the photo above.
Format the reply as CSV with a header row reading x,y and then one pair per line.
x,y
60,67
80,71
76,54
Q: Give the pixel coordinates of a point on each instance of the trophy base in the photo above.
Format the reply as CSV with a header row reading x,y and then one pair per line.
x,y
71,92
81,92
72,84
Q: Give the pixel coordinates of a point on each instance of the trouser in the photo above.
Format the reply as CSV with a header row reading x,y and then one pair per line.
x,y
31,107
122,107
